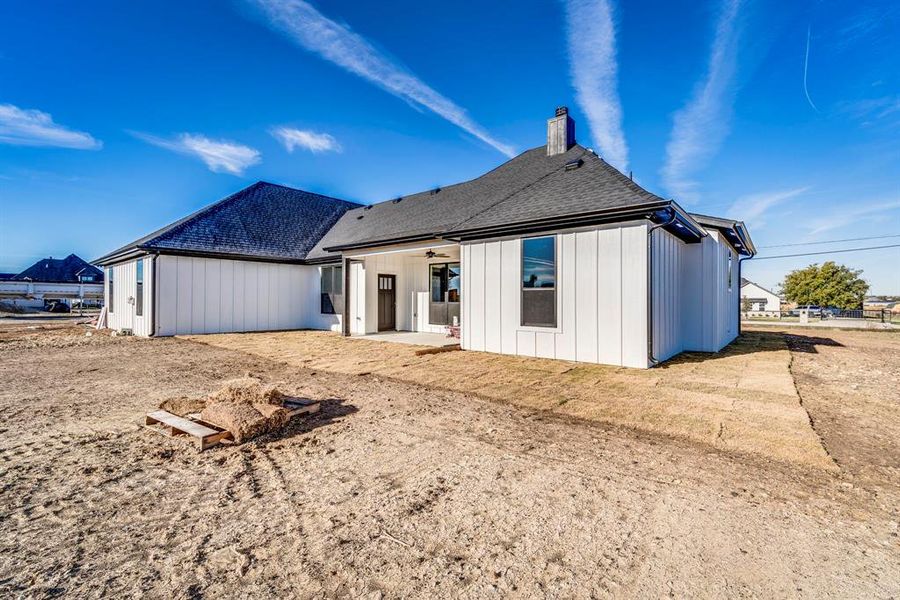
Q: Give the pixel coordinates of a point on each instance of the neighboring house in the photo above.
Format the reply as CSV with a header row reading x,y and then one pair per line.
x,y
554,253
71,269
761,299
878,302
53,279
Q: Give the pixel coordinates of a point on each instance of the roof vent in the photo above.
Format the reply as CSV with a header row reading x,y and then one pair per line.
x,y
396,200
367,207
436,190
358,217
574,164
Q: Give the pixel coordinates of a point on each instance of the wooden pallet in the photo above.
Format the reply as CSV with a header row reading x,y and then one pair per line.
x,y
168,424
301,406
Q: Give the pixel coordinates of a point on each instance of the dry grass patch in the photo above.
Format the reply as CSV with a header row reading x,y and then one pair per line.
x,y
741,399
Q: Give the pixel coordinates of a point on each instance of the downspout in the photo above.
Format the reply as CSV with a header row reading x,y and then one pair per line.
x,y
345,318
740,275
155,296
650,356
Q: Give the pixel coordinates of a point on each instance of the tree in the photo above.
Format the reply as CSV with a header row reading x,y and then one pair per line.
x,y
828,285
746,304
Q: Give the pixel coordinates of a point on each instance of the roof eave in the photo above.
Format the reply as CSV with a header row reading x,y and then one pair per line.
x,y
690,230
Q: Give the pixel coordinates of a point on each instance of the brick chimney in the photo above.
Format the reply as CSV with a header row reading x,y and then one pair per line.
x,y
560,132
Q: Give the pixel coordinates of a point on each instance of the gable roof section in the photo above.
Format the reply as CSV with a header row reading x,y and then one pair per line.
x,y
734,231
530,188
745,282
264,221
59,270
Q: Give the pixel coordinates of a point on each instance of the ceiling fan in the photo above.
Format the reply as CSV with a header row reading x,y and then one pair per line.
x,y
433,254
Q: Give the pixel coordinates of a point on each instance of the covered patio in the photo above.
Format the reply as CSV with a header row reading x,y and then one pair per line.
x,y
404,290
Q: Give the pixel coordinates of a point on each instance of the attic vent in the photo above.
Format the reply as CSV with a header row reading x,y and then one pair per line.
x,y
574,164
436,190
359,217
396,200
368,207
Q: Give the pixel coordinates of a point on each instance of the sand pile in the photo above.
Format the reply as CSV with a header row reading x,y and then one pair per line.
x,y
245,407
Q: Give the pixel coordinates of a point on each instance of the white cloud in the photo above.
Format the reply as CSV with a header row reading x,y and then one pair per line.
x,y
753,208
700,127
28,127
879,210
592,58
315,142
339,44
219,155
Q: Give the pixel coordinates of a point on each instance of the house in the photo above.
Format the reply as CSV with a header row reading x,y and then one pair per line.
x,y
759,298
554,254
53,279
879,302
71,269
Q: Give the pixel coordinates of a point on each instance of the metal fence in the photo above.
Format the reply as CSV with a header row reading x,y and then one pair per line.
x,y
880,315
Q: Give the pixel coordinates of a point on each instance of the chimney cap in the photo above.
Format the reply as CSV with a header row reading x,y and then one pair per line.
x,y
562,110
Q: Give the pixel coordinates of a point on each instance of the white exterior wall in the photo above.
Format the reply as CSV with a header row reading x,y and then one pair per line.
x,y
668,295
754,292
121,312
710,308
601,297
207,295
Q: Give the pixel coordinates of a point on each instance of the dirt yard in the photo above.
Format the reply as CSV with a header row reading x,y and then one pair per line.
x,y
743,399
400,489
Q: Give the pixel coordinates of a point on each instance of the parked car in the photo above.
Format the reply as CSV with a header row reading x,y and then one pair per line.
x,y
812,309
57,307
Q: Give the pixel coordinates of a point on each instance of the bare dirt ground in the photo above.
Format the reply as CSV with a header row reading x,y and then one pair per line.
x,y
741,399
404,490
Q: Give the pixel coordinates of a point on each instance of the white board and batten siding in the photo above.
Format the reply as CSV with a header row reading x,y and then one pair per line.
x,y
710,307
207,295
668,295
601,297
122,308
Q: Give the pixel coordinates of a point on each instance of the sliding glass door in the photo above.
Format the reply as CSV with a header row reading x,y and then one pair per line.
x,y
444,305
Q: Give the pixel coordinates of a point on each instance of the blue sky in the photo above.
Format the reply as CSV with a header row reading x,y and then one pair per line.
x,y
119,117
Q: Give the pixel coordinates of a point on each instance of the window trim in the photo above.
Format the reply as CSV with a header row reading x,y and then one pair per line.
x,y
445,263
139,288
730,270
111,300
555,327
335,309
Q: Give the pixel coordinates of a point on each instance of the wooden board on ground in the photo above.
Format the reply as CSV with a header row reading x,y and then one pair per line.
x,y
299,406
165,422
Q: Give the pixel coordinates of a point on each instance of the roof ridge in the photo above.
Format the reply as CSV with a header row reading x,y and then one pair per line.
x,y
180,223
513,193
459,183
630,182
293,189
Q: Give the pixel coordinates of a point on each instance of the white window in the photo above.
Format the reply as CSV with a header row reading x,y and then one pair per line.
x,y
139,288
109,278
539,282
332,290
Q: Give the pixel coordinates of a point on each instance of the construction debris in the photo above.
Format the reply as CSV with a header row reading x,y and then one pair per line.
x,y
243,408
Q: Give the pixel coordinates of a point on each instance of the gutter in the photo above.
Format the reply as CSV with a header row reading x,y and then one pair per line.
x,y
672,219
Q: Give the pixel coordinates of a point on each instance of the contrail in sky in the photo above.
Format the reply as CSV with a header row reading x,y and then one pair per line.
x,y
337,43
806,68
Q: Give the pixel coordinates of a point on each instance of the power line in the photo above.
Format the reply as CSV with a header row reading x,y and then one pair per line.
x,y
874,237
827,252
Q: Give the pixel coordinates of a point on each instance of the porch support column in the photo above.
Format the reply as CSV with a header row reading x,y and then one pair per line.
x,y
345,321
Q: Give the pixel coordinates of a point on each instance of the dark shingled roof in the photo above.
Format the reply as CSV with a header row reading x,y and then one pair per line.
x,y
530,187
59,270
263,221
